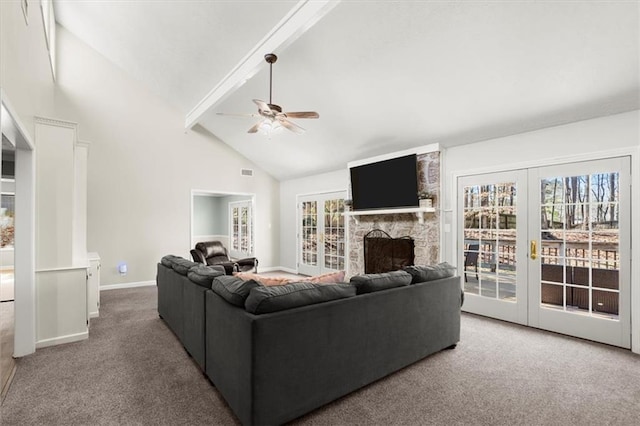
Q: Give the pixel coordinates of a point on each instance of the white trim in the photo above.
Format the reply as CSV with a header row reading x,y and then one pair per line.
x,y
443,212
55,122
635,251
306,194
296,22
418,211
238,254
418,150
62,339
26,138
279,269
64,268
126,285
25,293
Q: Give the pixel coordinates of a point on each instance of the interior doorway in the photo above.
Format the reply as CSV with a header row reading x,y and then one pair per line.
x,y
549,247
17,316
227,217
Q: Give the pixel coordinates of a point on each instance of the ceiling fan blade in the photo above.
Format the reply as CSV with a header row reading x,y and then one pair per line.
x,y
302,114
291,126
255,127
262,105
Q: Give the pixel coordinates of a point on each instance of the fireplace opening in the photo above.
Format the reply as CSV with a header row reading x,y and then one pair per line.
x,y
382,253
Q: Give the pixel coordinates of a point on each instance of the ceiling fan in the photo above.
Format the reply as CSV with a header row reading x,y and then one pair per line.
x,y
272,116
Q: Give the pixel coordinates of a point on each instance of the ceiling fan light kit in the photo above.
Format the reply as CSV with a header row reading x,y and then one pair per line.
x,y
273,117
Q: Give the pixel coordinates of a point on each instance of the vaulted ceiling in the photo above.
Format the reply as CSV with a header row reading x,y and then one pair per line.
x,y
383,75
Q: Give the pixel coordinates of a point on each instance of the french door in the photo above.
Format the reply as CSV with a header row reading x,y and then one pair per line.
x,y
240,232
549,247
321,233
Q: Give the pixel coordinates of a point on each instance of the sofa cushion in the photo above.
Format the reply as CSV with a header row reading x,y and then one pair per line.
x,y
204,275
424,273
233,289
368,283
168,260
182,266
263,300
328,278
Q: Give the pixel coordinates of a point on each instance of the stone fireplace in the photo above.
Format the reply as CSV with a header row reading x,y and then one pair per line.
x,y
382,253
426,235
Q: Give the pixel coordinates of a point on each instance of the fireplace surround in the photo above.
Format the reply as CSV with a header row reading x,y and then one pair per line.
x,y
426,235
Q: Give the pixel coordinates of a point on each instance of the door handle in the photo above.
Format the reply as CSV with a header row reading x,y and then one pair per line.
x,y
534,250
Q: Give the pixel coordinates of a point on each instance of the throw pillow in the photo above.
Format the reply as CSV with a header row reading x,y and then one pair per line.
x,y
331,277
424,273
264,300
268,281
233,289
204,275
328,278
368,283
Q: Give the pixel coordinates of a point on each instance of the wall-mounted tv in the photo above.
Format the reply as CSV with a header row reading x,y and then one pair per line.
x,y
385,184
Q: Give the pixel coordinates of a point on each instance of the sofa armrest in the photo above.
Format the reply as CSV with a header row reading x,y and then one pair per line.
x,y
248,264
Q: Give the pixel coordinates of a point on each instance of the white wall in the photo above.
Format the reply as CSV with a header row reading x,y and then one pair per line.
x,y
143,165
206,220
27,84
594,138
289,190
25,74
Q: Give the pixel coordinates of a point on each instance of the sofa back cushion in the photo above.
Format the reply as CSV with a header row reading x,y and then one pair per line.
x,y
182,265
204,275
168,260
368,283
420,274
263,299
233,289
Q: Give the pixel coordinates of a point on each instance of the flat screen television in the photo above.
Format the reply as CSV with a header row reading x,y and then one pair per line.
x,y
385,184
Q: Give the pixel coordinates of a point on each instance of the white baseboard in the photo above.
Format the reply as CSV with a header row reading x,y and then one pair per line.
x,y
126,285
94,314
62,339
276,268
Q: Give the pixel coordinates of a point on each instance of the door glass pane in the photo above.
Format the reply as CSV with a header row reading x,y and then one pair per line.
x,y
309,233
579,239
489,213
334,234
236,229
244,229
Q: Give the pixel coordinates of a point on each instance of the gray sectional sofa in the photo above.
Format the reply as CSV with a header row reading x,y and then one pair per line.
x,y
277,353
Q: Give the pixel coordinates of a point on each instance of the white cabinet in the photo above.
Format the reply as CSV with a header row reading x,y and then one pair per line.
x,y
93,285
61,306
63,291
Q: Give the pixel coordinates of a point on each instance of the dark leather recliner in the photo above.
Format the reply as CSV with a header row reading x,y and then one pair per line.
x,y
214,253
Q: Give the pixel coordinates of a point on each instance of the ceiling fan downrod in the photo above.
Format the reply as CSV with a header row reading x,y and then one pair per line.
x,y
271,58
